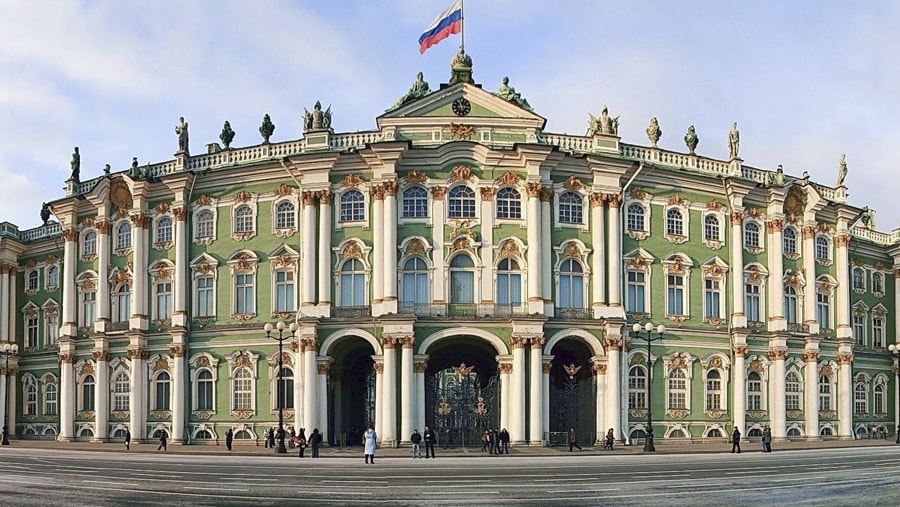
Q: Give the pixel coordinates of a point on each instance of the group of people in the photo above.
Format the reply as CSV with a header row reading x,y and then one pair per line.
x,y
878,431
765,441
495,441
428,437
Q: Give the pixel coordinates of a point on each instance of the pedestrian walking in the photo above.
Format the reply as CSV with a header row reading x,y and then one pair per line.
x,y
292,434
610,440
485,440
430,440
301,441
162,441
229,438
368,440
736,440
266,438
504,441
448,441
272,438
492,441
767,439
127,440
573,440
315,439
416,439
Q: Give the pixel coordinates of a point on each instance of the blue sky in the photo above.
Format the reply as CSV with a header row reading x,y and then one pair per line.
x,y
805,80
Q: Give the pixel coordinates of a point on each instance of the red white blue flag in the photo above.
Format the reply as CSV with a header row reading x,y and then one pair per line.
x,y
446,24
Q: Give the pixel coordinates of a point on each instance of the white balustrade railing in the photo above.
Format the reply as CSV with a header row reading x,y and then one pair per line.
x,y
880,238
44,231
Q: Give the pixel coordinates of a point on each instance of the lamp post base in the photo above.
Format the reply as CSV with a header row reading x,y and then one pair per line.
x,y
648,444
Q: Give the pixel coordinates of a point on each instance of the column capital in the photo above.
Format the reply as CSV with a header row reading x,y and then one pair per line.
x,y
66,357
842,240
518,342
420,366
777,354
546,194
322,368
103,226
614,200
390,188
504,368
180,213
308,343
377,192
378,368
775,225
487,193
537,342
100,355
177,349
845,359
597,199
737,218
613,342
811,356
437,192
599,368
69,234
740,350
309,198
809,231
324,196
533,189
389,341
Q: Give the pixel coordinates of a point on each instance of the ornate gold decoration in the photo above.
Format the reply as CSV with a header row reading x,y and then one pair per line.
x,y
533,189
487,193
599,368
444,407
309,198
460,131
243,263
614,200
69,234
324,196
243,196
462,370
162,208
415,247
676,200
715,362
508,178
283,190
757,366
377,192
460,173
162,364
178,349
775,225
571,370
638,358
842,240
87,222
845,359
203,200
714,205
242,414
87,369
203,361
243,360
597,198
737,218
119,194
571,250
352,250
438,192
638,193
546,194
66,357
808,232
573,183
677,414
390,188
415,176
480,407
509,248
352,180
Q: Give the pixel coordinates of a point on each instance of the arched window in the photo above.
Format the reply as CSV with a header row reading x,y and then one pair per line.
x,y
53,276
87,393
462,280
123,236
789,240
509,283
571,284
509,204
89,247
571,208
790,304
163,392
751,235
415,202
243,389
461,202
879,399
860,399
713,390
634,217
711,228
243,219
878,283
414,291
123,303
121,392
205,390
33,280
754,391
825,394
204,224
50,398
859,279
353,206
353,283
202,435
823,248
637,387
30,399
792,391
677,383
285,218
287,388
674,222
164,230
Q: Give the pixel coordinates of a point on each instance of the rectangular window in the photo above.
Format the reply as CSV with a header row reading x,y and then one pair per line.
x,y
636,288
790,307
163,300
206,304
823,310
713,394
878,332
31,330
50,400
859,329
751,302
243,294
52,328
675,295
284,291
824,394
713,295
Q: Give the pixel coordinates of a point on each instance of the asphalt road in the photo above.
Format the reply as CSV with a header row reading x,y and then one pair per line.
x,y
848,476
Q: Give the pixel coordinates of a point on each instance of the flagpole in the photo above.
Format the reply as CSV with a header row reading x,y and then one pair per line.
x,y
462,25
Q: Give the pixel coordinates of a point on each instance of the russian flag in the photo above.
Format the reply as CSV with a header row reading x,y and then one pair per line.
x,y
446,24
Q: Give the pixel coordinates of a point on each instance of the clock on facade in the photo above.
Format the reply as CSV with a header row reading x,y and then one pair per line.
x,y
461,107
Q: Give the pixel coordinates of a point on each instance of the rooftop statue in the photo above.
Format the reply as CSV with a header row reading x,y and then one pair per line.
x,y
227,135
868,218
654,133
75,165
418,90
134,172
842,171
182,130
509,93
604,124
691,139
45,213
317,119
267,128
107,169
734,141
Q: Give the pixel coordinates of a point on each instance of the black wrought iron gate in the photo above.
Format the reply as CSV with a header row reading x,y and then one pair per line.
x,y
571,406
461,404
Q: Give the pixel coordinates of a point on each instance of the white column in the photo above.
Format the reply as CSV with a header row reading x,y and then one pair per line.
x,y
70,298
545,392
505,370
102,301
407,401
809,268
420,366
811,393
379,395
613,382
842,291
598,255
137,399
517,391
437,221
101,392
600,380
180,400
325,253
533,221
388,430
13,399
310,383
779,426
180,314
300,384
378,241
66,391
3,391
739,395
546,248
776,270
738,317
139,312
535,383
845,395
486,252
615,253
390,254
308,254
5,314
322,398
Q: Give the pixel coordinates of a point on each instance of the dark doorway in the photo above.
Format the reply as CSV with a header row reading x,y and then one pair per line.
x,y
572,394
352,397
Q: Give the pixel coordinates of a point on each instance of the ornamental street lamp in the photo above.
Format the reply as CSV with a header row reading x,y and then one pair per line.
x,y
280,390
6,351
636,329
895,351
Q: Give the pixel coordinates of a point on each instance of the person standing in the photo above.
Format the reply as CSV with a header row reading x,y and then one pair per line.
x,y
301,441
229,438
504,442
369,439
315,439
610,439
266,438
162,441
573,440
293,435
492,441
430,439
272,438
767,439
736,440
416,438
127,439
